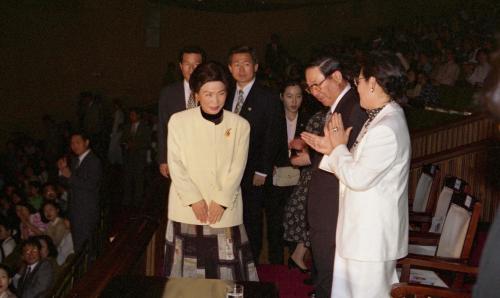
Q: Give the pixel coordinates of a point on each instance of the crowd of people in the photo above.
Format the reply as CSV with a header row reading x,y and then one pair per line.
x,y
306,143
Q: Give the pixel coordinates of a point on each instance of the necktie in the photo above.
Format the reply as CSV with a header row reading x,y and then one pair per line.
x,y
239,104
191,103
26,274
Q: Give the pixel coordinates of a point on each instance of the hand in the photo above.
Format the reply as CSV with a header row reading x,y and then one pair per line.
x,y
164,170
297,144
200,210
301,159
258,180
318,143
336,132
215,212
62,163
66,172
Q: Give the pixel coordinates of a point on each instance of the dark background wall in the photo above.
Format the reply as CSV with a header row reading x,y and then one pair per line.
x,y
53,49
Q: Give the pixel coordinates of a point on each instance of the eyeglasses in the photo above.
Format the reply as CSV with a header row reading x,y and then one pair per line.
x,y
356,80
315,87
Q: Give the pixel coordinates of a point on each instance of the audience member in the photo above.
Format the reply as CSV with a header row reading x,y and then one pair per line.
x,y
262,109
448,72
83,179
35,199
8,244
56,228
175,98
65,248
481,69
114,149
204,229
31,221
5,282
37,276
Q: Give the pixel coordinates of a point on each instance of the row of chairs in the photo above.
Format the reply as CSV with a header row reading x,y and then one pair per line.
x,y
443,224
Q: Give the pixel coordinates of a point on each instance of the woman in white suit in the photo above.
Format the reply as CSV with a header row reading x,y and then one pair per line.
x,y
372,229
207,153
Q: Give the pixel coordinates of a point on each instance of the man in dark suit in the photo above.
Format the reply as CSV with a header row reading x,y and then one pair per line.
x,y
175,98
83,179
262,109
38,274
326,81
136,140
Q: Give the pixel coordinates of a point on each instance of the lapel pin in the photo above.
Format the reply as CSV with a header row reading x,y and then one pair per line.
x,y
228,132
249,109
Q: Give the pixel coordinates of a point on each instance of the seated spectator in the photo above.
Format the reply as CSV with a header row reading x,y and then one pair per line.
x,y
65,248
413,88
37,276
448,72
8,212
481,70
56,228
50,194
31,221
35,198
48,251
5,281
8,244
428,94
43,173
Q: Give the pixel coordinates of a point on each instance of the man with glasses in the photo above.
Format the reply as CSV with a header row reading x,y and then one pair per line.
x,y
327,83
174,98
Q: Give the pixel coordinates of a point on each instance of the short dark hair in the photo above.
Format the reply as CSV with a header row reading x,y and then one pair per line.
x,y
192,50
386,68
50,244
49,202
81,134
207,72
242,49
31,241
27,205
326,64
10,272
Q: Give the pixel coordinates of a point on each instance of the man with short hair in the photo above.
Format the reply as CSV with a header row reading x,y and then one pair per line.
x,y
83,177
174,98
263,110
38,275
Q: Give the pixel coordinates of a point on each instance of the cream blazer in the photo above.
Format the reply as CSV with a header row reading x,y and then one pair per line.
x,y
373,199
206,161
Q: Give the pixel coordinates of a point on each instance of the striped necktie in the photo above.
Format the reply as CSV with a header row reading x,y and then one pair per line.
x,y
240,102
191,103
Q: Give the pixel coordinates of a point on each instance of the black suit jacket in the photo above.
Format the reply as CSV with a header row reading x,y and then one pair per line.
x,y
137,144
172,100
38,282
84,185
283,160
323,201
263,110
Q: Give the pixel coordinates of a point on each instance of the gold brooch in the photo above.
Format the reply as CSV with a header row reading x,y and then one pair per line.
x,y
228,132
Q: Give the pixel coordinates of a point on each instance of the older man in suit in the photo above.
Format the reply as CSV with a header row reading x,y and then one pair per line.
x,y
83,179
136,140
262,109
38,275
327,83
175,98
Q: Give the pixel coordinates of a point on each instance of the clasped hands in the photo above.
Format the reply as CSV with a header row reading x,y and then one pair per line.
x,y
335,135
207,214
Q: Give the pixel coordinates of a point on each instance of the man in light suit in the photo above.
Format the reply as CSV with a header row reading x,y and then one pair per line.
x,y
136,140
263,110
175,98
38,275
83,179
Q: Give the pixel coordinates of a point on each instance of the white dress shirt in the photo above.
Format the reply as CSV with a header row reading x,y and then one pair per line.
x,y
187,92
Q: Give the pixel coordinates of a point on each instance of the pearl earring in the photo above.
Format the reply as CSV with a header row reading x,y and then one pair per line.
x,y
371,89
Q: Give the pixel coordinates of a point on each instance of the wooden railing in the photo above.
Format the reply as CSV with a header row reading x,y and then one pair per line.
x,y
469,162
470,130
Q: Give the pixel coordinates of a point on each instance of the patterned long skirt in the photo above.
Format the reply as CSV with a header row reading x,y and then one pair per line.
x,y
200,251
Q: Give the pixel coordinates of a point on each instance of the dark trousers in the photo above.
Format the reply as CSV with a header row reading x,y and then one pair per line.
x,y
274,205
323,253
133,184
253,198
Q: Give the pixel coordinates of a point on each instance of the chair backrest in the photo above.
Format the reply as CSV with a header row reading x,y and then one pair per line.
x,y
424,198
451,185
459,227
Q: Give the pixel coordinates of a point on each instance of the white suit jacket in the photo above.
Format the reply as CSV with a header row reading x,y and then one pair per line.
x,y
373,200
206,161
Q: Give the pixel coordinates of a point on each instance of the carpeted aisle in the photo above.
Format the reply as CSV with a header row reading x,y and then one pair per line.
x,y
289,281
